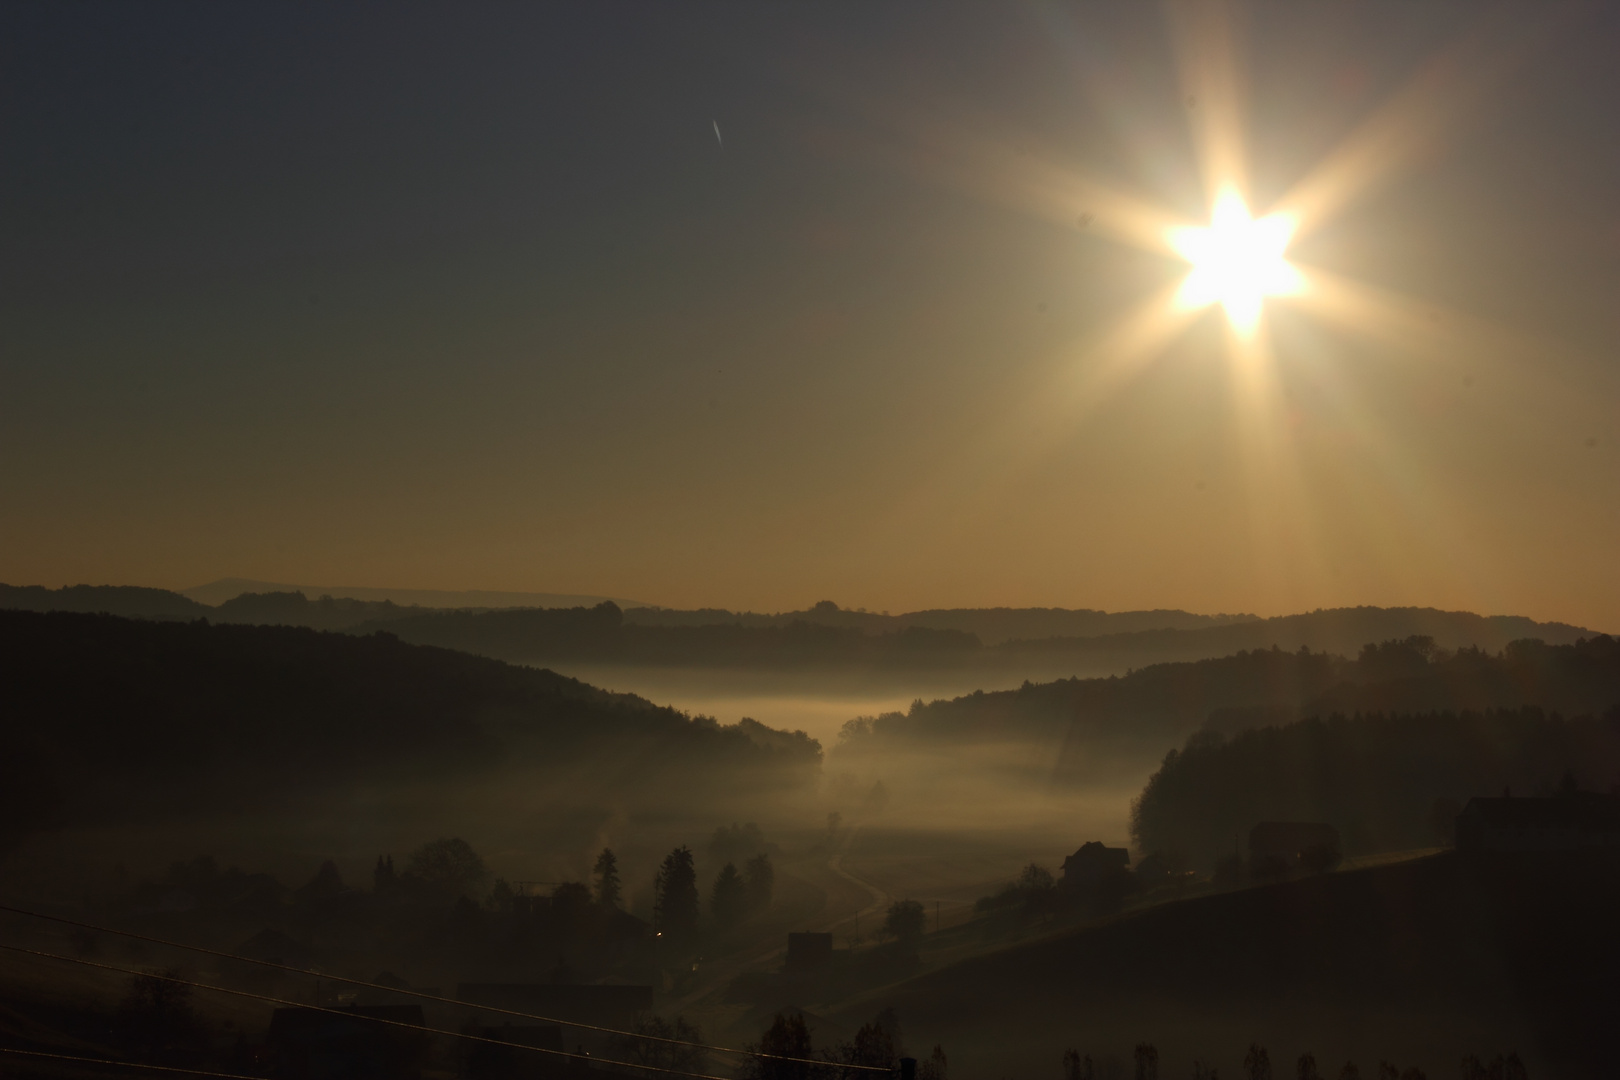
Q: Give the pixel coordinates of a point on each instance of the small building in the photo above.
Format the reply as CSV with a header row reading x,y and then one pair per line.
x,y
1094,864
1288,844
1575,820
809,952
608,1006
356,1043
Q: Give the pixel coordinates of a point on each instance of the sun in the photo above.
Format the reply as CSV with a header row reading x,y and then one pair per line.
x,y
1237,261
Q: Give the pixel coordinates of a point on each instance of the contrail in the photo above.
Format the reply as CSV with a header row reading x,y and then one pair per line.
x,y
717,137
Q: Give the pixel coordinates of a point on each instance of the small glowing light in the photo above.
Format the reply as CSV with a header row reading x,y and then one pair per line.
x,y
1237,261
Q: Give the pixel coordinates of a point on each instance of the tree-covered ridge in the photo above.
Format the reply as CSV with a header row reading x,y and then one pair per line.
x,y
1391,780
99,712
1386,781
1271,686
1156,699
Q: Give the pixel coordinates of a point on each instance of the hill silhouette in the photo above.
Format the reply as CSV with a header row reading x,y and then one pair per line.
x,y
1419,962
110,719
1091,729
997,642
130,601
1386,781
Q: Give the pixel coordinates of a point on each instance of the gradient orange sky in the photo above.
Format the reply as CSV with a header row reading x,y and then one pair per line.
x,y
441,297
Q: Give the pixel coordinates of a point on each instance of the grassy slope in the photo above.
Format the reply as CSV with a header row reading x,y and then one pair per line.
x,y
1419,962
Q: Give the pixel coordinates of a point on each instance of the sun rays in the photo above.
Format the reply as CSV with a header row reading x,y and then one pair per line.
x,y
1238,264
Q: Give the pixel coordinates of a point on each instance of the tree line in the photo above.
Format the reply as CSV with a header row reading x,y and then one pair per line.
x,y
1257,1066
1387,781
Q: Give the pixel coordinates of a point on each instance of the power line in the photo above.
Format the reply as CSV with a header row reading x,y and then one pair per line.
x,y
126,1064
413,993
354,1015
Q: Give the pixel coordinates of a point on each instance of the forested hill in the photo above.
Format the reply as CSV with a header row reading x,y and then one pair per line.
x,y
1386,781
128,600
1391,752
106,716
1336,630
1151,709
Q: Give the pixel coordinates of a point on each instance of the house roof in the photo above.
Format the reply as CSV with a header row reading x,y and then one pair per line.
x,y
1095,851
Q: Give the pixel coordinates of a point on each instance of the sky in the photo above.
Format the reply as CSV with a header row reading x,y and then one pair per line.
x,y
755,305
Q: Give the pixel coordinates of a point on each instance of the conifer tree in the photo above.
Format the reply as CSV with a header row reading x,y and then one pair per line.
x,y
607,879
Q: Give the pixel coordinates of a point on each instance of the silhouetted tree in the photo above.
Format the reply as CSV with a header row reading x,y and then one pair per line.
x,y
326,884
736,843
675,891
1386,1071
875,1045
787,1037
448,866
905,922
501,896
607,879
156,1014
1349,1072
1035,878
1257,1062
383,877
1205,1072
761,882
1513,1069
647,1046
1076,1067
1147,1061
729,900
934,1066
1305,1068
1412,1072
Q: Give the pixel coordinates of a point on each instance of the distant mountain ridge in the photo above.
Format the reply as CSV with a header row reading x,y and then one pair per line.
x,y
992,626
218,592
1037,643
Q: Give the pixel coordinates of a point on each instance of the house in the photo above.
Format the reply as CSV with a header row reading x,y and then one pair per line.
x,y
1287,845
1580,819
607,1006
1094,864
809,952
357,1043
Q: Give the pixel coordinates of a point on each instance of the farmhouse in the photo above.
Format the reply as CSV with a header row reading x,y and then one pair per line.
x,y
1094,863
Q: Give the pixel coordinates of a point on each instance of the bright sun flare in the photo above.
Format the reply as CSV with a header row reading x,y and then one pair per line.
x,y
1237,261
